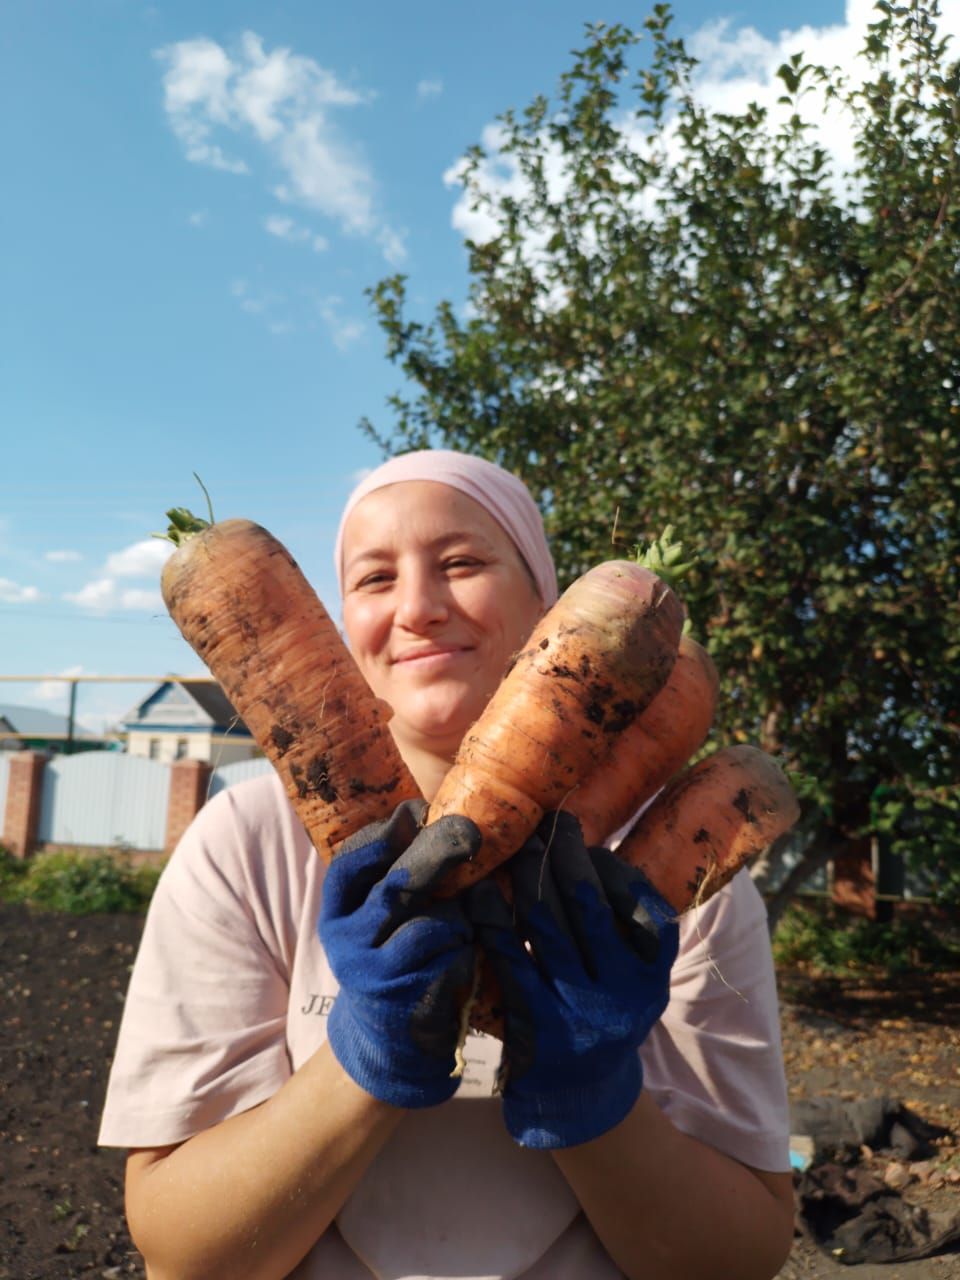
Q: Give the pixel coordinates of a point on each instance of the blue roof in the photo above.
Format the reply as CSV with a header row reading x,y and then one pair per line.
x,y
37,723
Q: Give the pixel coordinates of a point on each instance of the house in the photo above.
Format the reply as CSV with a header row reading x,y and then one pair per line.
x,y
188,720
34,729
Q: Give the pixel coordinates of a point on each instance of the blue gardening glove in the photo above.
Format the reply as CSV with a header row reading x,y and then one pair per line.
x,y
583,959
404,960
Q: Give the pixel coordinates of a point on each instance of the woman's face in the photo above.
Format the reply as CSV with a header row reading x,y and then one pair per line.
x,y
436,600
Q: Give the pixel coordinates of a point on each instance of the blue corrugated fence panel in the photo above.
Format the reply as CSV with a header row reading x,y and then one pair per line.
x,y
4,775
104,798
229,774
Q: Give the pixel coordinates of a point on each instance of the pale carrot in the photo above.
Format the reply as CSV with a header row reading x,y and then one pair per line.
x,y
709,822
593,664
242,603
653,749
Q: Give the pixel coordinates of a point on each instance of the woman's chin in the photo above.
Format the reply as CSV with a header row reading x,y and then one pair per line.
x,y
438,729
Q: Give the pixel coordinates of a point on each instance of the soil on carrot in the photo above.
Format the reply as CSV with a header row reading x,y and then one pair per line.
x,y
62,980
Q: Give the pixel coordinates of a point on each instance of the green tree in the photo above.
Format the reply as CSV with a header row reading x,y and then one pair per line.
x,y
686,317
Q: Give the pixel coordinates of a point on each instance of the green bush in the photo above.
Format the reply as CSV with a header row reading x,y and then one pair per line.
x,y
12,871
828,941
78,883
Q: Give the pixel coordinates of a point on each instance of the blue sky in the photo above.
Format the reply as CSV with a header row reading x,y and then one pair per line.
x,y
196,197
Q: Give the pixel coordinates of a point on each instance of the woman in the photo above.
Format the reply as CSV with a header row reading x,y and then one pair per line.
x,y
286,1093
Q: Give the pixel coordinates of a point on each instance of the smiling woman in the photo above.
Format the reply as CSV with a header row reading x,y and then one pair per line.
x,y
436,600
287,1072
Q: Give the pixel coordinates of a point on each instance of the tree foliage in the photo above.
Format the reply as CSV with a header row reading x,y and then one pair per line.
x,y
688,318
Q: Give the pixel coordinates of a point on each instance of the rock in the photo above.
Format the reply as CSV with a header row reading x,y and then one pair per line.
x,y
896,1175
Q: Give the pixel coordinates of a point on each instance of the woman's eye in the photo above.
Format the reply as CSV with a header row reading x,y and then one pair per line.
x,y
462,562
378,579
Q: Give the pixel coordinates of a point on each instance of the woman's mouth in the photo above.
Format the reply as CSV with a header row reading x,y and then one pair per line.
x,y
435,654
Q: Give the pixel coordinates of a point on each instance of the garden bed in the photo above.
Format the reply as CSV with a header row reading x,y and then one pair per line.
x,y
62,980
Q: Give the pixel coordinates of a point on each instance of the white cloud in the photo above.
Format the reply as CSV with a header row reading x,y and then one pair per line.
x,y
429,89
199,218
499,176
13,593
62,557
737,66
347,333
285,228
259,304
393,245
141,598
282,102
57,690
103,595
98,594
142,559
343,331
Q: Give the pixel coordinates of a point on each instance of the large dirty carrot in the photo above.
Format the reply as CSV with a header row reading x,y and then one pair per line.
x,y
655,747
242,603
709,822
593,664
699,832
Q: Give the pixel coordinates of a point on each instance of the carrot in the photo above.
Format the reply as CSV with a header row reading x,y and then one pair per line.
x,y
593,664
698,833
656,745
242,603
708,822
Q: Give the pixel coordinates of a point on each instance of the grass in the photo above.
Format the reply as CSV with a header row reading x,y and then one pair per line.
x,y
76,882
826,941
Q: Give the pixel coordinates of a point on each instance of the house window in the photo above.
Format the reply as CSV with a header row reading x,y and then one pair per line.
x,y
182,747
153,749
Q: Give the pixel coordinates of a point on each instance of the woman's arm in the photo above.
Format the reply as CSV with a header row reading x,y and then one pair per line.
x,y
583,956
247,1199
668,1207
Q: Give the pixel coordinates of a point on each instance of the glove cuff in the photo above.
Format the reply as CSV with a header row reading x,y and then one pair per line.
x,y
374,1064
549,1120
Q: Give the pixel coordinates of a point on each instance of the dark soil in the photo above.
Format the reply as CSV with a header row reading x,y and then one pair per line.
x,y
62,980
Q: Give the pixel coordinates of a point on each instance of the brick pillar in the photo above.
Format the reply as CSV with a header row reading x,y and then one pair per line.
x,y
24,788
854,881
188,794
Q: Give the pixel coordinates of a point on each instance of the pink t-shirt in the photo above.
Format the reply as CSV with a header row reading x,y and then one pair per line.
x,y
230,994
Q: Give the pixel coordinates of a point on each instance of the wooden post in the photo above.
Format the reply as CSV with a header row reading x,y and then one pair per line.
x,y
188,794
22,813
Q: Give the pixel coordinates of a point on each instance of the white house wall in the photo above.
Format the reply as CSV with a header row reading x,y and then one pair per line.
x,y
215,748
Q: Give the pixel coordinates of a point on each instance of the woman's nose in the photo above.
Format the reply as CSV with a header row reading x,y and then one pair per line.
x,y
420,601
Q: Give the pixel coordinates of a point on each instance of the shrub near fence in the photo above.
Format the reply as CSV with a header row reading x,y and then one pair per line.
x,y
105,799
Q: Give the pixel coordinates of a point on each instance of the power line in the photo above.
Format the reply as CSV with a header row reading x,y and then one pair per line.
x,y
83,679
18,611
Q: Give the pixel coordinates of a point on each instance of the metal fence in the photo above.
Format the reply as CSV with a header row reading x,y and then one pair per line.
x,y
4,775
104,798
240,771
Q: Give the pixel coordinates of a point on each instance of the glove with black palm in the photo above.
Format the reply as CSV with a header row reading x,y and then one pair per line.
x,y
404,959
582,957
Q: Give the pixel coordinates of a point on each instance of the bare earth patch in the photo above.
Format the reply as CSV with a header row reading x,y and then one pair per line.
x,y
62,980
